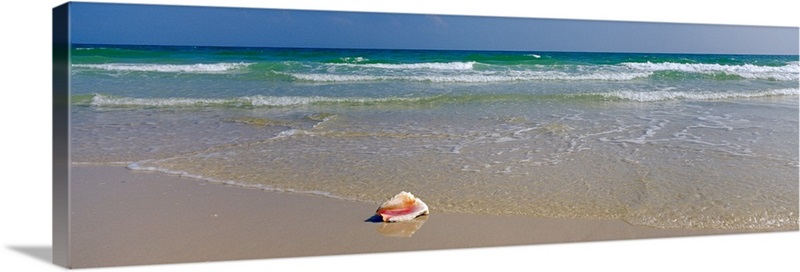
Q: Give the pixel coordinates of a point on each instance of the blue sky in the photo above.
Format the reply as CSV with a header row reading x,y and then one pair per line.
x,y
95,23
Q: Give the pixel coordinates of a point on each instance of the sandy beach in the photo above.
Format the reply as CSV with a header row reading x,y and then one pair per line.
x,y
123,217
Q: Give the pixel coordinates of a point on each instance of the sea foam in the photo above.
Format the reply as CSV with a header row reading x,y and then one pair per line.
x,y
166,68
476,77
105,100
101,100
783,73
138,166
424,65
675,95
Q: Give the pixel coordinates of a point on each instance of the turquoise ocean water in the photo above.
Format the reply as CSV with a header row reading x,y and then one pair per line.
x,y
660,140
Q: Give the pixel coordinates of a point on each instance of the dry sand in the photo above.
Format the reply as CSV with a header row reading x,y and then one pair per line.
x,y
123,217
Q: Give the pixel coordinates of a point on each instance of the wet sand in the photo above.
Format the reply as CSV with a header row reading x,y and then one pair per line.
x,y
123,217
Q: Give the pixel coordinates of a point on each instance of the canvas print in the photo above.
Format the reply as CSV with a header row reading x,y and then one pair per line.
x,y
207,134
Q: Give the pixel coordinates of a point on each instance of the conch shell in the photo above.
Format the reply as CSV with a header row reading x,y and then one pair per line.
x,y
402,207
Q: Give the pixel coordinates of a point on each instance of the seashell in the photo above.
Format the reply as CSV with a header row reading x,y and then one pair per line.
x,y
402,207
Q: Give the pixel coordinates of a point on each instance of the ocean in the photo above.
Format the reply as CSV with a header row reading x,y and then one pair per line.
x,y
658,140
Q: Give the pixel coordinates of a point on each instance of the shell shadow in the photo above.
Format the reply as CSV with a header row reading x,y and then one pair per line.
x,y
374,219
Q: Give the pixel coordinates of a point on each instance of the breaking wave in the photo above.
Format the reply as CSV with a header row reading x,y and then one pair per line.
x,y
782,73
474,78
102,100
424,65
676,95
166,68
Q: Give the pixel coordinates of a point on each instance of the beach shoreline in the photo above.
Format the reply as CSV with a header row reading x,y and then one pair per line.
x,y
123,217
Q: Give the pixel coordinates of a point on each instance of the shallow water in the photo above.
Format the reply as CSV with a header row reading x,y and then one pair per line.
x,y
664,141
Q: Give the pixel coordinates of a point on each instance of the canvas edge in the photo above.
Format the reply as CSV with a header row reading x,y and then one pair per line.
x,y
60,115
